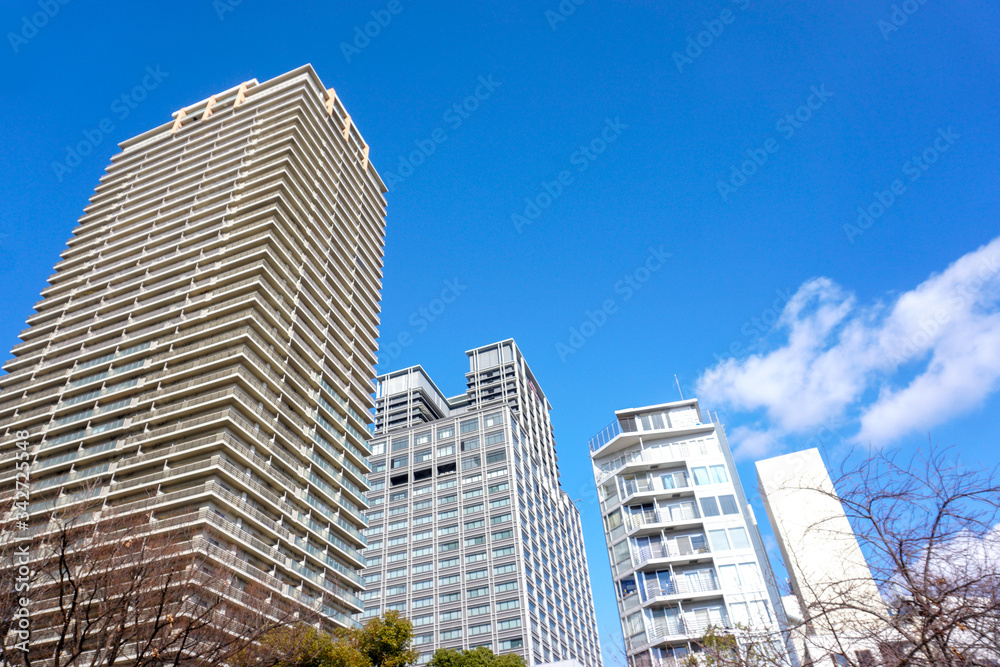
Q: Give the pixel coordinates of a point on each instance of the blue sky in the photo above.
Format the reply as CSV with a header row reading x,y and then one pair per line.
x,y
676,172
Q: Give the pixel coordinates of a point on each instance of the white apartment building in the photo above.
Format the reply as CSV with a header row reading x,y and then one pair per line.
x,y
205,349
470,534
683,541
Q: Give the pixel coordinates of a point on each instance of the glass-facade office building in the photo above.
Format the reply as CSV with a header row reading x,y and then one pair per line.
x,y
470,535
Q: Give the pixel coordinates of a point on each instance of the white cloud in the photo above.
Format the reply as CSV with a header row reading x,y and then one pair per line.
x,y
836,351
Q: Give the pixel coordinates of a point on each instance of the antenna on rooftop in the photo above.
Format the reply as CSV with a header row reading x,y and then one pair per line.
x,y
678,386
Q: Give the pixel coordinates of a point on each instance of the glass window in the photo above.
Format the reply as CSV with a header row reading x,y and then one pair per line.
x,y
700,476
423,602
475,558
508,604
493,438
446,432
728,504
419,492
399,555
504,569
739,538
399,572
448,562
422,535
420,457
450,579
447,514
478,507
709,507
472,525
719,475
422,438
719,540
423,567
472,479
422,551
492,419
507,625
400,444
447,450
444,500
469,444
451,634
472,493
450,597
471,462
480,629
422,620
396,590
503,551
473,541
476,574
502,535
480,610
470,425
399,495
448,546
502,486
420,520
496,457
500,518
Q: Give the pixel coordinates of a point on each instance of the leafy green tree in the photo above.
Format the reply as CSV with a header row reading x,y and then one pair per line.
x,y
476,657
382,642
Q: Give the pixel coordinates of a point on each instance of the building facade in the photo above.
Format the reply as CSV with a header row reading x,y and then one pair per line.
x,y
204,352
836,602
470,534
683,541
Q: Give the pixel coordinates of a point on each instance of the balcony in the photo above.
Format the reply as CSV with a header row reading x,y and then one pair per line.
x,y
659,516
643,555
685,586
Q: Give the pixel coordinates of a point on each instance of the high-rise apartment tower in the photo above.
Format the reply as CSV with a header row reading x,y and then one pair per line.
x,y
683,541
205,349
471,535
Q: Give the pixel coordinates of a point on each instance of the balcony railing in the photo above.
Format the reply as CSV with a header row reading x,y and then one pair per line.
x,y
642,555
661,515
684,586
606,435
